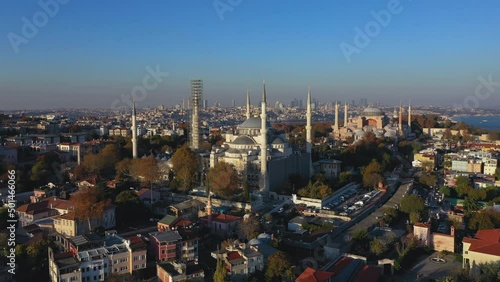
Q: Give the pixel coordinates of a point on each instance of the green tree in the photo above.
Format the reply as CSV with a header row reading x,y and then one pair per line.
x,y
445,190
390,215
246,191
372,174
415,217
428,179
220,274
470,205
278,267
412,204
129,208
480,221
186,166
345,177
223,179
462,183
377,246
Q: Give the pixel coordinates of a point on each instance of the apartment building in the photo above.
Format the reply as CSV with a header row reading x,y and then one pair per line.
x,y
165,246
178,271
241,260
483,248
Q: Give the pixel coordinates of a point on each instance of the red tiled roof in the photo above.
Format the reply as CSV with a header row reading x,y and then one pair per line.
x,y
143,191
47,203
340,265
234,255
420,224
368,274
312,275
485,241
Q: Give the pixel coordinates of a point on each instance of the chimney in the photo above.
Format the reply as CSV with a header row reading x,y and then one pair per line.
x,y
452,231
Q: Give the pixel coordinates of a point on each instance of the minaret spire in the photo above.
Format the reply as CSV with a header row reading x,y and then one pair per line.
x,y
263,141
409,114
400,124
336,127
308,124
346,113
134,131
248,105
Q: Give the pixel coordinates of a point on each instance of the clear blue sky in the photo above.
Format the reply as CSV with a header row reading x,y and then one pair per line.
x,y
91,52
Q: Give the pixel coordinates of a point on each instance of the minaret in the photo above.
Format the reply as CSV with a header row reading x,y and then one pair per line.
x,y
346,113
263,141
336,128
248,105
308,124
400,124
134,133
209,206
409,114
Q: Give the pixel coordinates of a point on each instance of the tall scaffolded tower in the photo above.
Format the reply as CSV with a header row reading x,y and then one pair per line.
x,y
196,98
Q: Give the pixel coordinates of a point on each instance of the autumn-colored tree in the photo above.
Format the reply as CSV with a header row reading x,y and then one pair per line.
x,y
122,169
223,179
145,169
89,204
250,227
185,165
279,267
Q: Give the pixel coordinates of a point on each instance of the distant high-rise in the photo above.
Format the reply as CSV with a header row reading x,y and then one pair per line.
x,y
234,103
205,103
196,98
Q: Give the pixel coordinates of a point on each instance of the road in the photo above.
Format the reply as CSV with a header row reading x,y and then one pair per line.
x,y
343,239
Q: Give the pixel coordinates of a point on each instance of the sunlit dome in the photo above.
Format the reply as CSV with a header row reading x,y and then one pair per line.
x,y
253,122
371,111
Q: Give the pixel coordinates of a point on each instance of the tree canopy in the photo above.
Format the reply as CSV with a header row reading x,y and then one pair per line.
x,y
89,203
223,180
185,164
278,267
412,204
317,190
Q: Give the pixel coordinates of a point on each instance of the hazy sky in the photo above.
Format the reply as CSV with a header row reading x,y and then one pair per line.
x,y
89,53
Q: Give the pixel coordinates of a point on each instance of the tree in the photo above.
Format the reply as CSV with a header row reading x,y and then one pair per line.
x,y
145,169
220,274
445,190
89,204
377,246
223,179
470,205
428,179
185,165
129,208
480,221
372,174
390,215
278,267
345,177
246,191
250,227
412,204
462,185
122,169
415,217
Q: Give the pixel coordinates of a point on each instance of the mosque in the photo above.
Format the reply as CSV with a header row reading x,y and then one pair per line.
x,y
371,119
261,155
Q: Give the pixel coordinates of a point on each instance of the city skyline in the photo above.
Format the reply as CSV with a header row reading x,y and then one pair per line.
x,y
88,56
